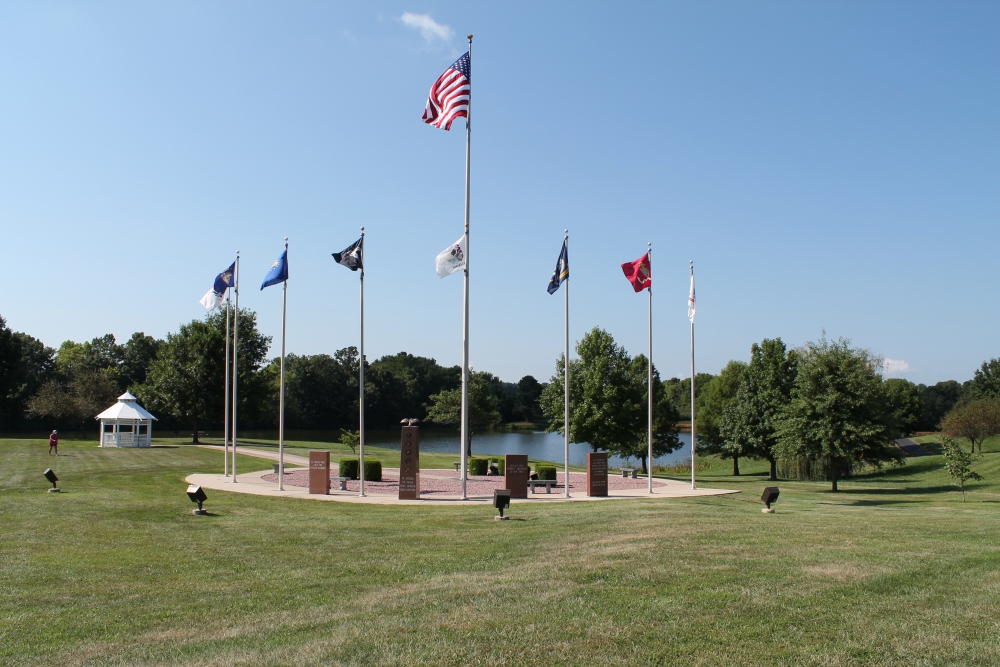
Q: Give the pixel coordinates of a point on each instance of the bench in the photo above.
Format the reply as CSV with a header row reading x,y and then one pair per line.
x,y
547,483
458,464
630,472
342,481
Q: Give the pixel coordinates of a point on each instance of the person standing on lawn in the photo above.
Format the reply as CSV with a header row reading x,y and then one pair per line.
x,y
54,443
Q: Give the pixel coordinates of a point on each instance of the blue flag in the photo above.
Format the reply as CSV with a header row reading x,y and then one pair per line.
x,y
562,270
278,272
223,281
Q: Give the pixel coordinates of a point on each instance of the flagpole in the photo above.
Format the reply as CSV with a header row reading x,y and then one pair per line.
x,y
236,347
566,374
649,382
225,410
361,382
281,390
692,390
465,290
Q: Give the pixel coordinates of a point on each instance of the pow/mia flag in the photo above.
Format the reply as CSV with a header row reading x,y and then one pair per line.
x,y
351,256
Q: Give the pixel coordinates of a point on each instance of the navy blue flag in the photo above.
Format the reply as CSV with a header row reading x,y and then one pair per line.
x,y
562,269
278,272
352,255
223,281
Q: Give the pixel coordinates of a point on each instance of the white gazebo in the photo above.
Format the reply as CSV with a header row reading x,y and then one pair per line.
x,y
126,424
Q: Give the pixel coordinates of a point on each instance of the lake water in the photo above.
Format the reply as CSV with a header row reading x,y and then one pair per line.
x,y
536,444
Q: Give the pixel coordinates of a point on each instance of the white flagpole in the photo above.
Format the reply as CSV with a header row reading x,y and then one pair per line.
x,y
649,381
566,376
692,390
281,390
225,410
465,290
361,380
236,357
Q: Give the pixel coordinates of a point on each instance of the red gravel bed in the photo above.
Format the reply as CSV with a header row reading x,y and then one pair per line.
x,y
447,483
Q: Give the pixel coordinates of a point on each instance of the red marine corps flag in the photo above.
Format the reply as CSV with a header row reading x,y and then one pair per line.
x,y
638,274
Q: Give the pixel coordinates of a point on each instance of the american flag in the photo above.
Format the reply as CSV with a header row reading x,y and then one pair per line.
x,y
449,97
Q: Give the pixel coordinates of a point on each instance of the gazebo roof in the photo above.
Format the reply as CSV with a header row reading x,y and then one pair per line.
x,y
127,407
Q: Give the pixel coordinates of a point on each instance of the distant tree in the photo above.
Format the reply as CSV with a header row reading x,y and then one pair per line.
x,y
750,423
938,400
138,354
446,406
69,357
975,421
422,377
837,411
385,398
606,403
186,380
903,400
679,393
321,391
25,365
87,393
665,418
986,381
958,463
527,408
716,396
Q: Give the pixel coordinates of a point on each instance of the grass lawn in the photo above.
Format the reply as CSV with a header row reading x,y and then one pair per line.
x,y
892,570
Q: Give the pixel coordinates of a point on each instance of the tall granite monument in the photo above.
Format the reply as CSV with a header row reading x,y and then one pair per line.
x,y
409,462
597,474
515,472
319,472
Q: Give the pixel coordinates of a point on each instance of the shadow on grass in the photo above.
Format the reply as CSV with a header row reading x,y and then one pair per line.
x,y
906,491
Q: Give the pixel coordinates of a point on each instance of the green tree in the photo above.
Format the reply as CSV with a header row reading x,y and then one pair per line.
x,y
138,354
422,377
88,393
446,406
958,463
837,411
186,381
679,393
974,420
750,424
938,400
903,401
350,438
527,408
665,418
986,381
25,365
321,391
716,396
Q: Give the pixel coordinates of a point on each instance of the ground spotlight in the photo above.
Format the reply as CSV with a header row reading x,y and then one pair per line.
x,y
770,495
501,500
51,476
197,495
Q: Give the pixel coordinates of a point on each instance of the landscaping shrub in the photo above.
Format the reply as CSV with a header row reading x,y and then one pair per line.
x,y
349,468
501,464
478,466
373,471
546,472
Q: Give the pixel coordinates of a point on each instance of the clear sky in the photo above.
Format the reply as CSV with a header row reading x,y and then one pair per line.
x,y
828,166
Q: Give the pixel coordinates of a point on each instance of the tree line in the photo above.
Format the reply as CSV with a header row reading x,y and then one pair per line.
x,y
181,378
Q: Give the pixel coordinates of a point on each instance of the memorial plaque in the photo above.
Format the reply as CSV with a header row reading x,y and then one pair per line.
x,y
409,463
515,475
597,474
319,472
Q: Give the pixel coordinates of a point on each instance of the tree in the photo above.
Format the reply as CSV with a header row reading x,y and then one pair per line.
x,y
958,463
937,401
422,378
527,408
749,425
665,418
716,396
975,421
679,392
837,411
903,401
446,406
986,381
321,391
25,365
350,438
187,381
138,354
88,393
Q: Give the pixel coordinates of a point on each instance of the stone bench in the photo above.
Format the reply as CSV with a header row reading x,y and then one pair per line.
x,y
547,483
630,472
342,481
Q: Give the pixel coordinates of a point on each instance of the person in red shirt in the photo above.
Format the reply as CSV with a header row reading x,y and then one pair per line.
x,y
54,443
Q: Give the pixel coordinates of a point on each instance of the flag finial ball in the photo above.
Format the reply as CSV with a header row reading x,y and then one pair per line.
x,y
470,37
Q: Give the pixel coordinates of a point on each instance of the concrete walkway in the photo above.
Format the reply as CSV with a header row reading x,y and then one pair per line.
x,y
253,484
911,448
290,459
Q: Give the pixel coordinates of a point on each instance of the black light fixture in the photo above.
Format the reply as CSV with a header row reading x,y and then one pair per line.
x,y
770,495
501,500
51,476
197,495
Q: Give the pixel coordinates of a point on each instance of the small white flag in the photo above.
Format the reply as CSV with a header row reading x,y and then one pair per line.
x,y
451,259
691,301
211,299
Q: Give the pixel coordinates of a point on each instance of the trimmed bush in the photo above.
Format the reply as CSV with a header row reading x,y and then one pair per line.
x,y
502,463
546,472
373,471
478,466
349,468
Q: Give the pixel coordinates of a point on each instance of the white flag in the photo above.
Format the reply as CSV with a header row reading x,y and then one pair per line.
x,y
211,299
451,259
691,301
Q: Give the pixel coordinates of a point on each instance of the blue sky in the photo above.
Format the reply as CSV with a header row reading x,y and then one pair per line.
x,y
827,166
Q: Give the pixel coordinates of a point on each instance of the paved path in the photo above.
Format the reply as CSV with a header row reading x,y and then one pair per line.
x,y
911,448
290,459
